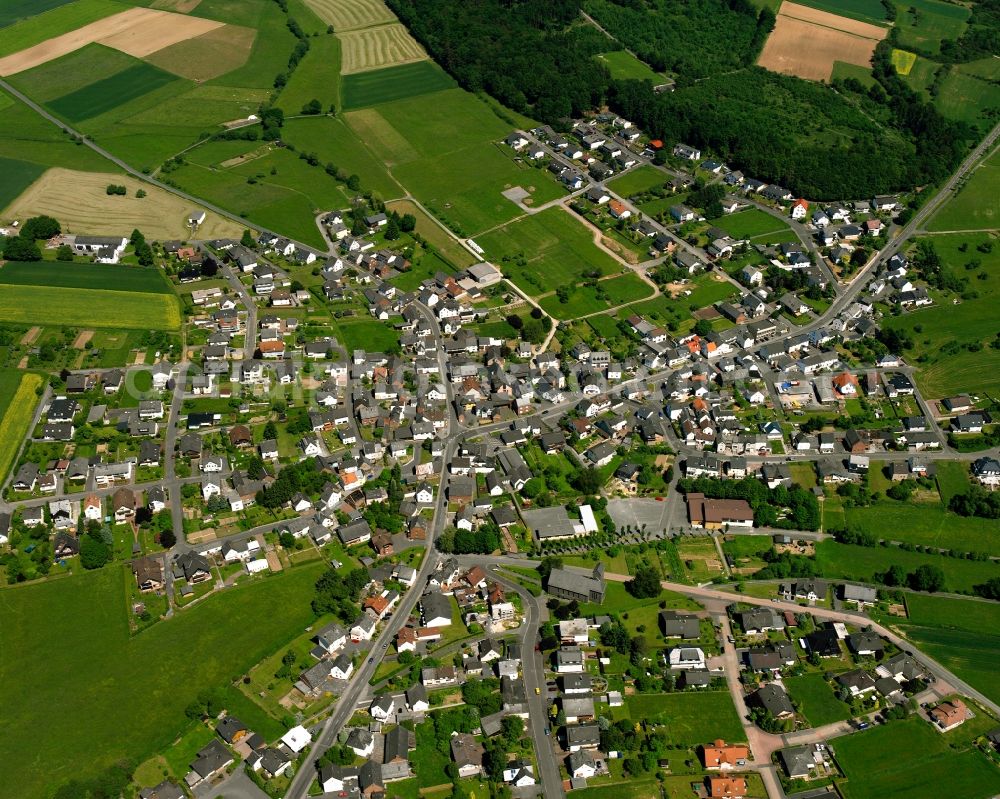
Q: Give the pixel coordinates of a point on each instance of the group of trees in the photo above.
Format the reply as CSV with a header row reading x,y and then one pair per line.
x,y
645,583
338,593
23,246
976,501
143,252
302,476
481,541
116,189
96,545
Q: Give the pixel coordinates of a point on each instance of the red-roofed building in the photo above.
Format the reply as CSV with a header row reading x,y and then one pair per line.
x,y
799,209
619,210
726,787
721,756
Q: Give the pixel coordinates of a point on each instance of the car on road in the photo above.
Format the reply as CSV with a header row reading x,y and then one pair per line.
x,y
371,660
547,730
538,692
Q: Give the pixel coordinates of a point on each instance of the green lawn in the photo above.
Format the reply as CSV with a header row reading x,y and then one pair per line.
x,y
977,204
750,223
451,160
334,142
85,276
366,334
74,632
17,176
585,300
816,699
545,251
843,70
969,97
638,180
624,66
940,770
691,717
401,82
42,305
952,478
860,563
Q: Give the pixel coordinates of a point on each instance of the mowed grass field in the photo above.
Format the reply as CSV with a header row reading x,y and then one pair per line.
x,y
38,20
18,398
17,176
847,561
977,205
74,632
207,56
940,771
962,634
85,276
79,200
364,89
638,180
842,71
816,699
970,97
347,15
971,321
317,77
555,247
72,307
690,718
923,24
377,47
432,232
451,160
751,223
584,300
864,10
624,66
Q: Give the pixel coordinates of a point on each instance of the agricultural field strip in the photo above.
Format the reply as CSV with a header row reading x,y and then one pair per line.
x,y
138,32
74,307
16,419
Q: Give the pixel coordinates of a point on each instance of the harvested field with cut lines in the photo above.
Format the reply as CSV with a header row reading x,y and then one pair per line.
x,y
806,42
138,32
346,15
46,23
207,56
375,48
79,200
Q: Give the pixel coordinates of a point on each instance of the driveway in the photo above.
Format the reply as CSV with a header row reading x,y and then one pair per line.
x,y
238,786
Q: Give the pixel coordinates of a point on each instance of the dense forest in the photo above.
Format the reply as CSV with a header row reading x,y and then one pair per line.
x,y
843,142
691,38
524,53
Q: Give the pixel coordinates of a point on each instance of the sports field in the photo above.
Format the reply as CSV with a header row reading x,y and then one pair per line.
x,y
74,632
44,19
364,89
690,718
941,770
375,48
18,399
977,204
624,66
69,307
79,200
346,15
806,42
145,280
545,251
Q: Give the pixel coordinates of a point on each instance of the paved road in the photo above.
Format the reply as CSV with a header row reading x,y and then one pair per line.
x,y
533,675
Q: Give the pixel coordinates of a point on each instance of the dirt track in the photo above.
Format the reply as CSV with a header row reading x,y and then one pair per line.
x,y
138,32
